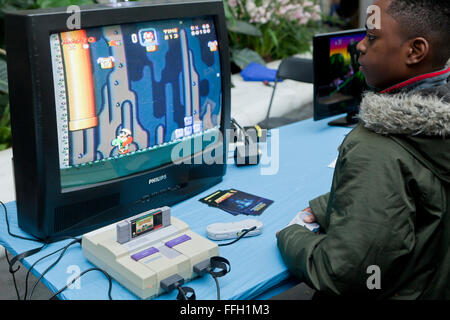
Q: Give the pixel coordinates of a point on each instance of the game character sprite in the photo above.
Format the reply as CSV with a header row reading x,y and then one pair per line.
x,y
150,41
149,36
123,141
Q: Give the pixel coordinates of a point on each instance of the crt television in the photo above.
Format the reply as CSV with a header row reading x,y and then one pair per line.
x,y
338,82
124,113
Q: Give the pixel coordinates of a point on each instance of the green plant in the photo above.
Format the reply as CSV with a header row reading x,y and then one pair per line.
x,y
5,125
5,130
270,29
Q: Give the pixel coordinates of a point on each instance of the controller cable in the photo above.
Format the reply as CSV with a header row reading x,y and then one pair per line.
x,y
224,267
183,292
216,266
54,297
244,232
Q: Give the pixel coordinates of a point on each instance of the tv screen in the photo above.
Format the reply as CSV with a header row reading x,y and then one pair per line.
x,y
338,82
127,94
127,112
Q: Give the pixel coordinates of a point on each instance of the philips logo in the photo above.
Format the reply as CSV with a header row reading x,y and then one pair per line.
x,y
157,179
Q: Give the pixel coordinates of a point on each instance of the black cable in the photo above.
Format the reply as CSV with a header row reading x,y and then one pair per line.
x,y
242,130
244,232
13,276
236,124
40,259
28,253
80,275
53,264
181,291
32,266
9,231
34,251
217,287
184,291
23,255
224,267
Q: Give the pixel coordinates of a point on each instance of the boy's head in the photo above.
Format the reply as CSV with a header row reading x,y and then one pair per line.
x,y
414,39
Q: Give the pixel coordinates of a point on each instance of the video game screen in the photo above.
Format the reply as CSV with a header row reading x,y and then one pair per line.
x,y
127,94
341,83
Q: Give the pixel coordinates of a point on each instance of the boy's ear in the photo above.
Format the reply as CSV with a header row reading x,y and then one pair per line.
x,y
418,49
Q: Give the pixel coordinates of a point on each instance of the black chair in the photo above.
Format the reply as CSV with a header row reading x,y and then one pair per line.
x,y
293,68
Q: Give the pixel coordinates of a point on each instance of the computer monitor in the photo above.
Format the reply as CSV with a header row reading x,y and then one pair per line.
x,y
126,113
338,82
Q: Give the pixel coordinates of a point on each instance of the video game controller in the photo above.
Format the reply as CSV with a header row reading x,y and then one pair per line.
x,y
298,219
231,230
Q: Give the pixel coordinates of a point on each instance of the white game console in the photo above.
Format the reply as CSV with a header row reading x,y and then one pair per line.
x,y
141,251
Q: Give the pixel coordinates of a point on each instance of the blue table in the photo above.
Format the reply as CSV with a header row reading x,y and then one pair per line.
x,y
257,271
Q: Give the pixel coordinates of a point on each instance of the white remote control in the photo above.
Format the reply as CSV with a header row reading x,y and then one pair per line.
x,y
232,230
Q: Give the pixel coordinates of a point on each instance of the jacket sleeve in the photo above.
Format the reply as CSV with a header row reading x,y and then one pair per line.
x,y
319,209
369,225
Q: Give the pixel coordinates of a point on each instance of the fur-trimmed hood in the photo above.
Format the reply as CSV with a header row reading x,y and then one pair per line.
x,y
418,120
423,112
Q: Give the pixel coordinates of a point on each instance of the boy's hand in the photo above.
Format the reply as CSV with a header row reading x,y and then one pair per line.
x,y
308,219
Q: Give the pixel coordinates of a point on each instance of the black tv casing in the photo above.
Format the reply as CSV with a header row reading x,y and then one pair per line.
x,y
47,211
320,43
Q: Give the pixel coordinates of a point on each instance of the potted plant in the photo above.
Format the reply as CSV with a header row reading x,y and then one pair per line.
x,y
266,30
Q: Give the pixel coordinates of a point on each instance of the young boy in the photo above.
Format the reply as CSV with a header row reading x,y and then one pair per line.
x,y
386,221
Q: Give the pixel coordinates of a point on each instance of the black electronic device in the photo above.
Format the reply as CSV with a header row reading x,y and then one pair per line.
x,y
116,117
247,152
338,82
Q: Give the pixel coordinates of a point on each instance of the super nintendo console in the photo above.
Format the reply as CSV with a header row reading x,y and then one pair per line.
x,y
147,249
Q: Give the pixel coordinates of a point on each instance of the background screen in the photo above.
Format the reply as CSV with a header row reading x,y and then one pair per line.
x,y
340,83
127,94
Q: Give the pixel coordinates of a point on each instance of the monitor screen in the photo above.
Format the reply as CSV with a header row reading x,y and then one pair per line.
x,y
338,81
127,94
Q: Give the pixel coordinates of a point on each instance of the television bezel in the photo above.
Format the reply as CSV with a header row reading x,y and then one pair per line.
x,y
39,196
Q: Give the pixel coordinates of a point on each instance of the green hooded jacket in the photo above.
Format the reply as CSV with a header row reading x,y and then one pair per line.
x,y
387,213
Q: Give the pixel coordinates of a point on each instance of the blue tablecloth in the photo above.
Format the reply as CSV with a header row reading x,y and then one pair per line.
x,y
305,150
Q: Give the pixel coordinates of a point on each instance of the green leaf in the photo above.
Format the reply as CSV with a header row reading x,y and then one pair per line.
x,y
243,57
17,4
273,36
243,27
5,120
3,76
5,137
61,3
228,14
